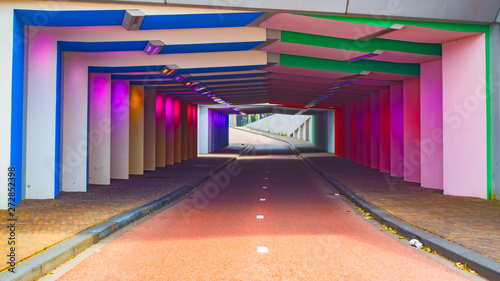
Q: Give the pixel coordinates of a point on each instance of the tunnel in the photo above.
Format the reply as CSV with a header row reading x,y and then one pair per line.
x,y
103,91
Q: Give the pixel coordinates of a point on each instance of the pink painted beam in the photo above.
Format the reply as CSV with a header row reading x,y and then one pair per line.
x,y
411,116
464,117
385,131
431,124
374,131
366,131
397,133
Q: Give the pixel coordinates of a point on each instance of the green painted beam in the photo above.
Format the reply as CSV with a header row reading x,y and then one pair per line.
x,y
384,22
350,67
361,46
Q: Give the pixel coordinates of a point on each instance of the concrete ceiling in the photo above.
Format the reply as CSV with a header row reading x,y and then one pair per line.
x,y
308,55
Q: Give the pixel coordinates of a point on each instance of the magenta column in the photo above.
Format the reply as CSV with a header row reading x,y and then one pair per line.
x,y
375,131
411,114
366,131
431,124
169,131
348,129
385,131
397,133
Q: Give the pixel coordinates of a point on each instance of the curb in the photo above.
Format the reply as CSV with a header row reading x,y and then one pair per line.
x,y
41,264
484,266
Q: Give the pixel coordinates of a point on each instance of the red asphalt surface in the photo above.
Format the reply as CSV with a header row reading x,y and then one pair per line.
x,y
214,234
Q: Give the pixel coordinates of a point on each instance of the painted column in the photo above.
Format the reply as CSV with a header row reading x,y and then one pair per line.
x,y
195,130
184,131
354,131
359,129
149,130
99,161
348,131
338,130
41,104
385,130
494,58
136,133
177,131
411,117
366,131
431,124
397,133
160,131
203,130
465,117
120,102
74,123
375,131
189,114
169,131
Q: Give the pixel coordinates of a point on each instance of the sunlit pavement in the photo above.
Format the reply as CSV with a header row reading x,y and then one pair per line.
x,y
268,217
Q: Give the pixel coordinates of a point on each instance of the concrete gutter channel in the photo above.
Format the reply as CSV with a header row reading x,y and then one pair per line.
x,y
41,264
486,267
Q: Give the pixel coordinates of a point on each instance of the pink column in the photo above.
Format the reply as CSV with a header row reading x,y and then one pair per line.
x,y
169,131
375,131
160,130
385,131
464,117
348,131
184,131
177,131
359,129
189,130
366,131
397,134
431,124
354,131
195,130
411,113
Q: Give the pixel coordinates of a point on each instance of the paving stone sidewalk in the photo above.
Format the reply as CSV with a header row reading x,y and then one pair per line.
x,y
471,222
43,223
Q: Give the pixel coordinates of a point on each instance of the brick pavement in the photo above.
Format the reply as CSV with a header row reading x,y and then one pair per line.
x,y
43,223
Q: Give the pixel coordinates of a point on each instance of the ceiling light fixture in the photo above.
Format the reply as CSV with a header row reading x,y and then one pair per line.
x,y
154,47
393,28
180,78
169,69
373,54
132,19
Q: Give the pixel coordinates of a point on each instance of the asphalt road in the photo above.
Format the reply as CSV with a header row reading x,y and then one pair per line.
x,y
268,217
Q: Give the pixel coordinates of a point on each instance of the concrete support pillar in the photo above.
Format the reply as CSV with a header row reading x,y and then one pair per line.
x,y
360,132
169,131
177,131
195,130
99,161
160,131
397,131
184,131
431,124
465,154
366,131
120,102
41,105
136,133
149,130
348,131
189,130
203,130
375,131
385,130
339,122
411,116
354,131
